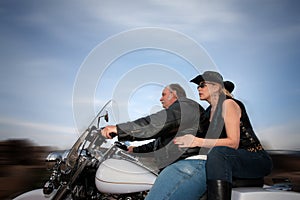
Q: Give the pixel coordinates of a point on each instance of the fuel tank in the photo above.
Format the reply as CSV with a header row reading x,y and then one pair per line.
x,y
121,176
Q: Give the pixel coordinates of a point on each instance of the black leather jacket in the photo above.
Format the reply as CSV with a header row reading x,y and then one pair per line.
x,y
182,117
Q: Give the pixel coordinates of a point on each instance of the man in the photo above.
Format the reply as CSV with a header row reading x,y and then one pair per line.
x,y
179,116
153,146
167,99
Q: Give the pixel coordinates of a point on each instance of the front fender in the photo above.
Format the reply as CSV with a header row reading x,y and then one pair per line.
x,y
34,195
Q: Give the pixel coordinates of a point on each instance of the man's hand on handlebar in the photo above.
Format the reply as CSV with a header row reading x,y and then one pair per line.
x,y
109,132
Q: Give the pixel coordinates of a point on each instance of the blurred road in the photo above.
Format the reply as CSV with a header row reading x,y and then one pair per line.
x,y
22,167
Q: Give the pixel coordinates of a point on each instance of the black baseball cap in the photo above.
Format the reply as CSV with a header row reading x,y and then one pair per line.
x,y
211,76
229,86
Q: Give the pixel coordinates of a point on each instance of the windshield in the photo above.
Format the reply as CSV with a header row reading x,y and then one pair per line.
x,y
102,119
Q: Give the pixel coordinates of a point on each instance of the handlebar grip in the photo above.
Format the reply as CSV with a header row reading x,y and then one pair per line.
x,y
112,135
121,146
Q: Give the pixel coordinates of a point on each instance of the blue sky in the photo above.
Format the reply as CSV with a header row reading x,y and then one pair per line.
x,y
45,44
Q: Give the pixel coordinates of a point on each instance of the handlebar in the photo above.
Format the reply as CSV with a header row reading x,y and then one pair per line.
x,y
112,135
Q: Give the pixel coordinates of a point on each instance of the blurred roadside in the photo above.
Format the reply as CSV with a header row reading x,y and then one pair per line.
x,y
22,167
286,168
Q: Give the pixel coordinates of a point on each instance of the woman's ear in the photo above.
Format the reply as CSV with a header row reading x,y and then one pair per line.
x,y
218,87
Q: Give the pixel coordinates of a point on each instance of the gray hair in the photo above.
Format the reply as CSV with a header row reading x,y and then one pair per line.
x,y
177,90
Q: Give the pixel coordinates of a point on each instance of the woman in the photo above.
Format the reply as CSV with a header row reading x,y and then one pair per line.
x,y
235,149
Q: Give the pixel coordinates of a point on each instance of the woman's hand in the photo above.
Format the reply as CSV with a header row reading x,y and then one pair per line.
x,y
107,130
188,140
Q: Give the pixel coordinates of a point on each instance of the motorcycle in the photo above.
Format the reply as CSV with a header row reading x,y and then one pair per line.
x,y
97,168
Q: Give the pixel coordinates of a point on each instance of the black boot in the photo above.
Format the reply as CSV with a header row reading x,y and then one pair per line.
x,y
218,190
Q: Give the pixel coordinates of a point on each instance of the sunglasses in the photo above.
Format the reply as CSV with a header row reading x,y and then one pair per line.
x,y
203,84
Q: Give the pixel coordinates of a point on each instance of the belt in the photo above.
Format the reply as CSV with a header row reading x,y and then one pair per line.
x,y
197,157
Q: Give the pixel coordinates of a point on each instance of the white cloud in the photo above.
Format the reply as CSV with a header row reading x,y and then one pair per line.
x,y
41,133
36,125
205,18
281,137
145,13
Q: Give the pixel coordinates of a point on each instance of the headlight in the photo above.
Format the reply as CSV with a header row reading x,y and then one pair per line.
x,y
54,158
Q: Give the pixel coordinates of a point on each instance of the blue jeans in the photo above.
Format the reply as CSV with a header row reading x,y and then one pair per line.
x,y
223,163
185,179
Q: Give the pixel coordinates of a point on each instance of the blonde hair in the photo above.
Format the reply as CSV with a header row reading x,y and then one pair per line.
x,y
224,91
227,93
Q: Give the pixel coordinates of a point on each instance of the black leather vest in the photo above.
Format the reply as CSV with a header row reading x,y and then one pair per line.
x,y
248,139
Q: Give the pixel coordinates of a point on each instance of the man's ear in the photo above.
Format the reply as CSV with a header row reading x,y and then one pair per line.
x,y
175,94
170,96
